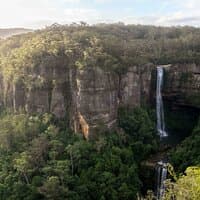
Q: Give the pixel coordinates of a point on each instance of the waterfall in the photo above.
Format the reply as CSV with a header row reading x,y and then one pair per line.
x,y
159,104
161,170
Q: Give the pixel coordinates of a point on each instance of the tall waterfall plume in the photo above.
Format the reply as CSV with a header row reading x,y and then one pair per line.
x,y
159,104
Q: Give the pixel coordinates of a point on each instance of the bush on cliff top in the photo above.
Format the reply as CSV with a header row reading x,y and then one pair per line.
x,y
113,47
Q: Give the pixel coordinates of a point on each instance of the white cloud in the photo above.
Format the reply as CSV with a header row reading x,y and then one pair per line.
x,y
72,1
185,12
68,16
102,1
175,19
38,13
21,12
75,15
191,4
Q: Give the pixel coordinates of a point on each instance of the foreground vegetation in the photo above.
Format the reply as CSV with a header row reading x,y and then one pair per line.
x,y
40,159
186,187
188,152
185,184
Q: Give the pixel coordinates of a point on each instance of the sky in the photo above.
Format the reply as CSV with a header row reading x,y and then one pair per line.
x,y
40,13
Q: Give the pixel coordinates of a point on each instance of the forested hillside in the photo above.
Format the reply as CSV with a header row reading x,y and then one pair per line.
x,y
5,33
41,157
113,47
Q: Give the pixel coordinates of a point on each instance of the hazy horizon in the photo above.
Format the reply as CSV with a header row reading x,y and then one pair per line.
x,y
36,14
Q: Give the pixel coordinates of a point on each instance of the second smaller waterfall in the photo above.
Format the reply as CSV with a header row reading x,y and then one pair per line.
x,y
161,172
159,104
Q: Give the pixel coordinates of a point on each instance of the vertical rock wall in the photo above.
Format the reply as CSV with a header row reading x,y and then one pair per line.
x,y
100,93
89,98
182,85
97,97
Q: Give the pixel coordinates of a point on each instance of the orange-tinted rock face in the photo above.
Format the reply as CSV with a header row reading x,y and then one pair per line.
x,y
84,126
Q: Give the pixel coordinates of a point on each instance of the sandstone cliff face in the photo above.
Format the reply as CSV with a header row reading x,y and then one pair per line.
x,y
97,97
89,98
182,85
99,93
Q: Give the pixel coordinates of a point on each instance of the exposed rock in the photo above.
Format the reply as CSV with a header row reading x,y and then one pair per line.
x,y
182,85
89,98
131,87
37,100
97,99
136,85
19,99
84,126
57,105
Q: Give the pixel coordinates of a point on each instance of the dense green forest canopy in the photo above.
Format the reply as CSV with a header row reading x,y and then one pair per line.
x,y
41,159
112,47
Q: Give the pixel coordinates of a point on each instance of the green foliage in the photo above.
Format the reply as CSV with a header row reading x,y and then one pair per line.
x,y
112,47
139,125
180,122
41,160
194,99
187,153
187,187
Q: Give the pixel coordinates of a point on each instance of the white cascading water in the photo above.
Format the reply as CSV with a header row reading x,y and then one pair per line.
x,y
159,104
161,169
161,177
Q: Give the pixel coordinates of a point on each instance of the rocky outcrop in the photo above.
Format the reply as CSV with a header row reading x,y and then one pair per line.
x,y
89,98
182,85
97,97
99,93
135,85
